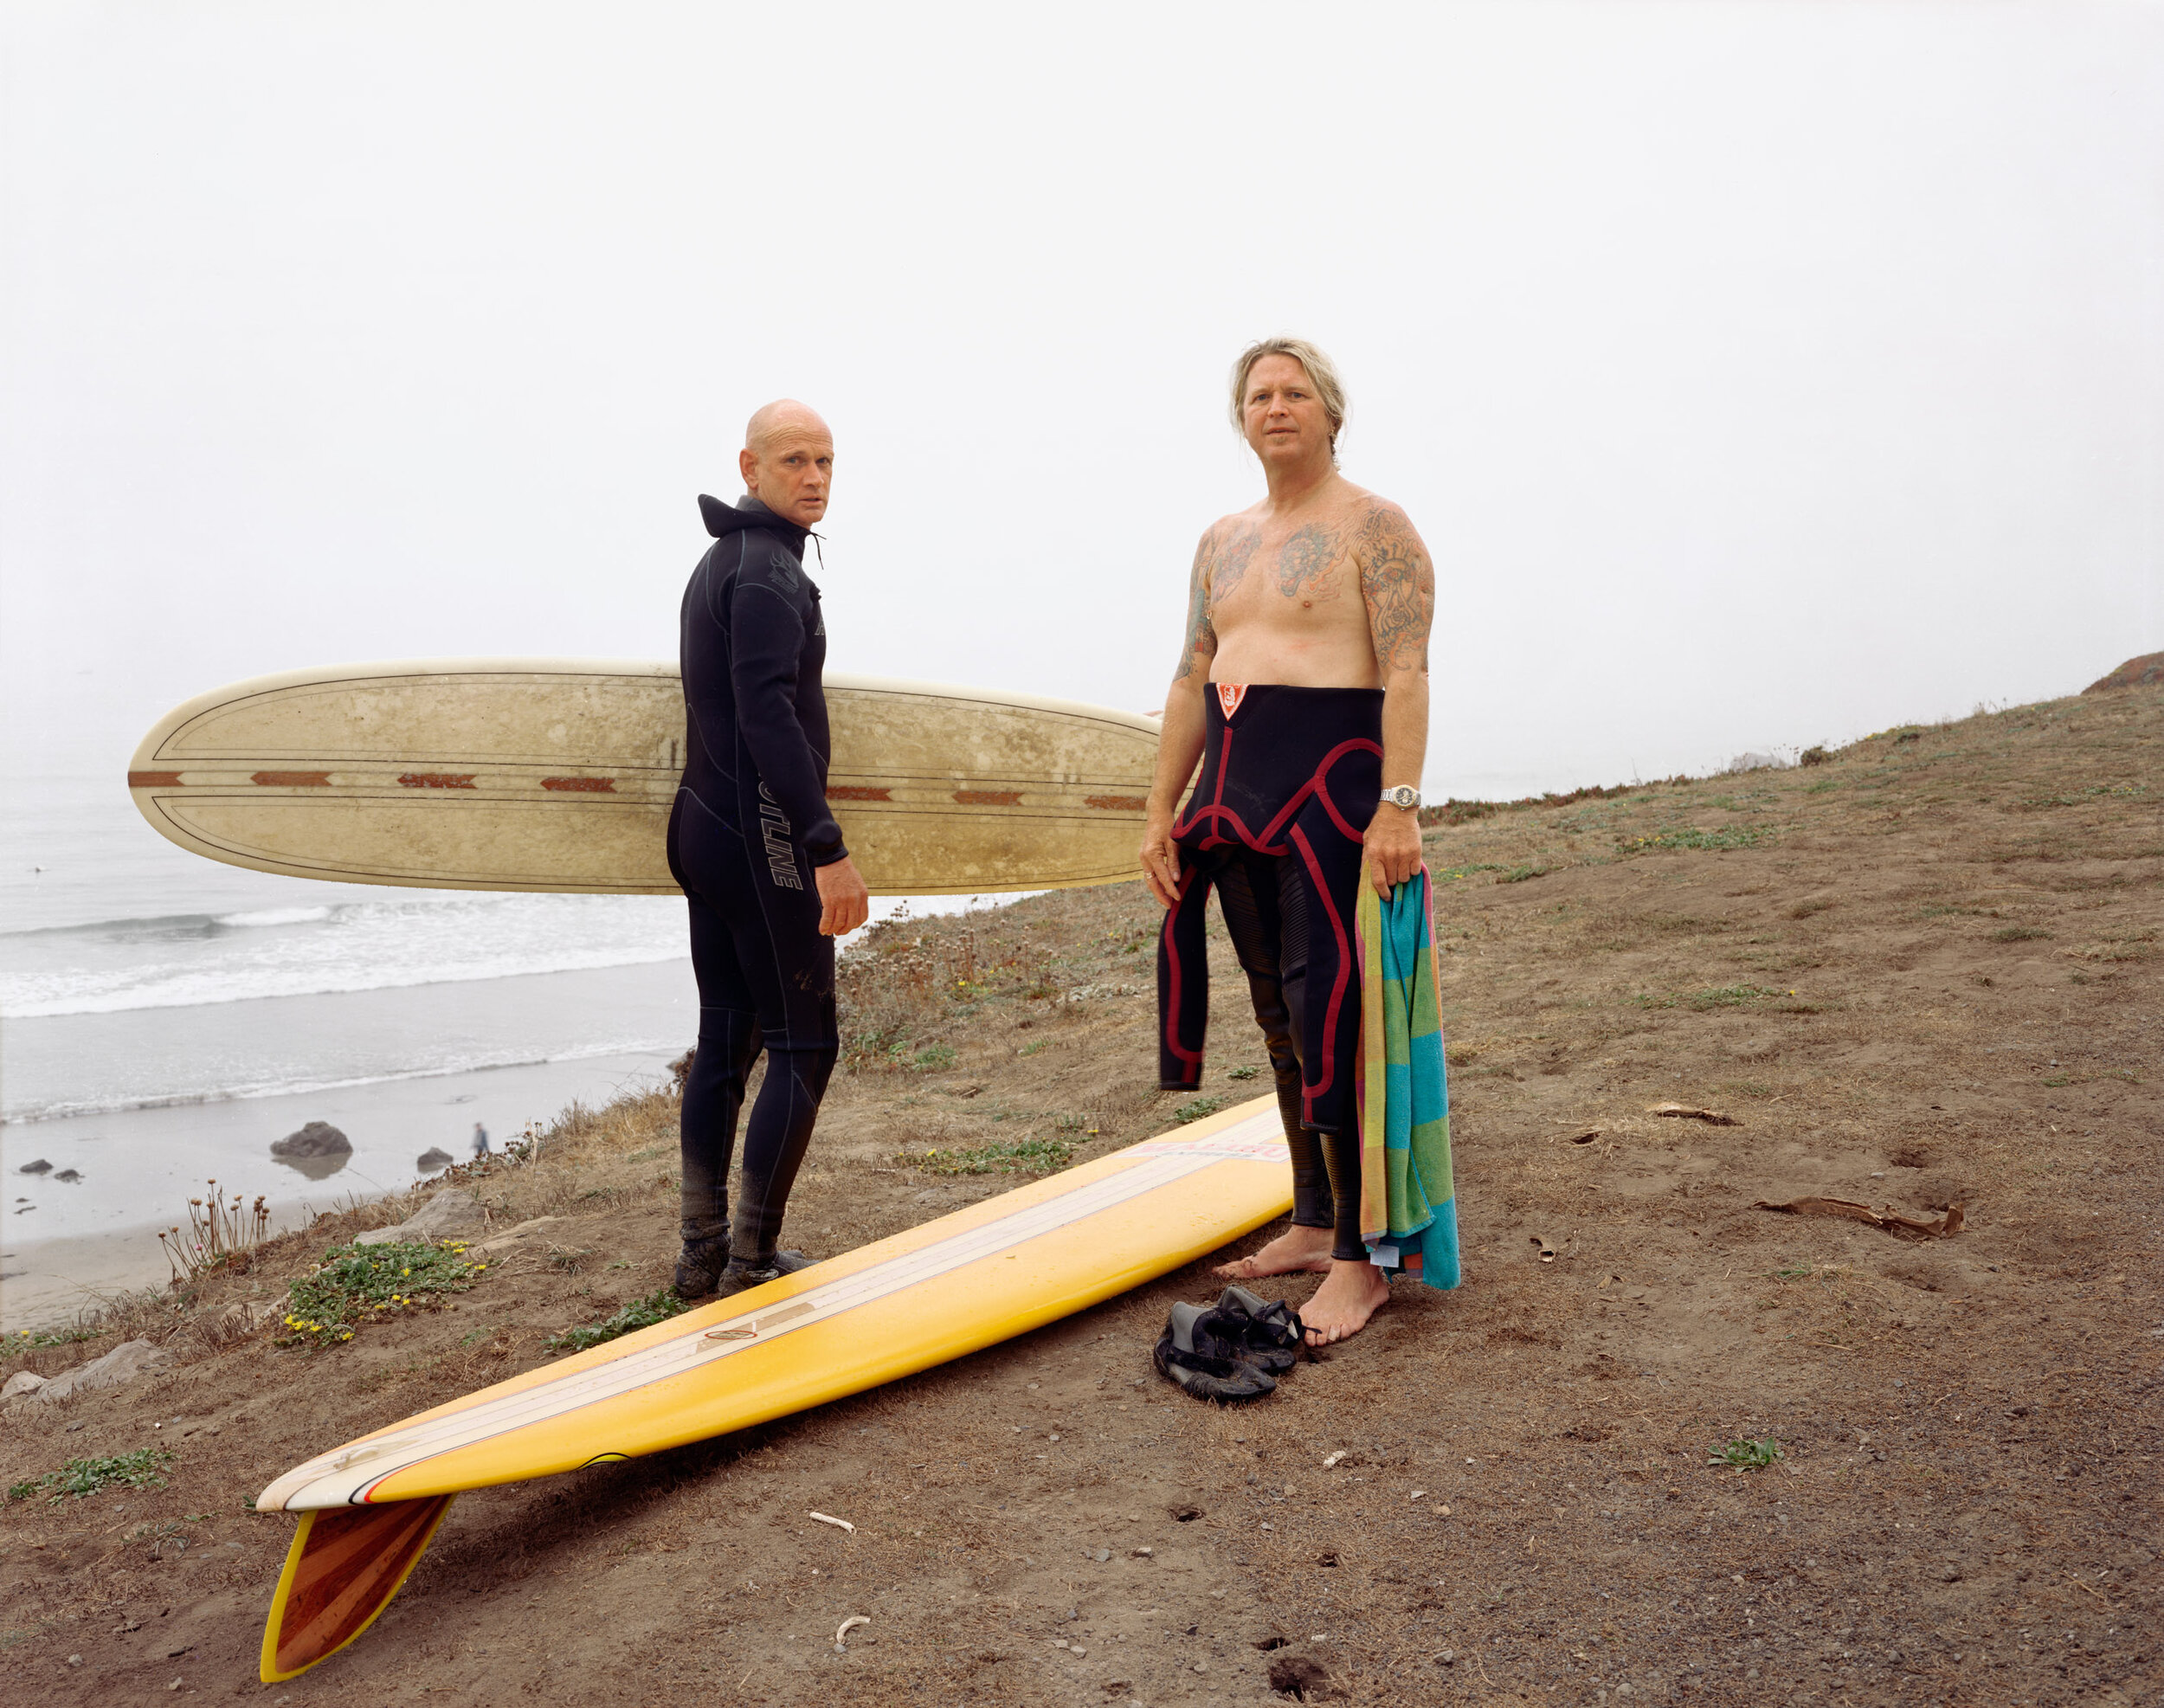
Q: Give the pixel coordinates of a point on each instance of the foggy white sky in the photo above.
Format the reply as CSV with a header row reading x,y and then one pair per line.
x,y
1756,373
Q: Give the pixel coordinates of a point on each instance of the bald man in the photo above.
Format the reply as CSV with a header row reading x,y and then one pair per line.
x,y
758,855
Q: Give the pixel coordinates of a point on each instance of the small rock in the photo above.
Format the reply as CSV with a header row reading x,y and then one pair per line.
x,y
1144,1553
432,1161
318,1139
513,1237
1202,1667
22,1382
444,1216
40,1166
74,1660
69,1175
122,1364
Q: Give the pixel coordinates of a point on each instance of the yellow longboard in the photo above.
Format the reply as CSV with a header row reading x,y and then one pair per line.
x,y
558,774
949,1288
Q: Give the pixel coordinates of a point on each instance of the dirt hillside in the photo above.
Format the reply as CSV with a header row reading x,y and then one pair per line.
x,y
1918,972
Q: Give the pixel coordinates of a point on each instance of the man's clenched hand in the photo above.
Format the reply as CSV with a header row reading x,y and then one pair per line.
x,y
1392,842
845,903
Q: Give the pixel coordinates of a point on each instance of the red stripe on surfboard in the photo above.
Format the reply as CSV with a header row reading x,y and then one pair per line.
x,y
436,780
154,780
292,779
988,798
578,785
1116,803
851,792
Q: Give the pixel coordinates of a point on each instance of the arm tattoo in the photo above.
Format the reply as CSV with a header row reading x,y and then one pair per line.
x,y
1398,584
1219,561
1201,639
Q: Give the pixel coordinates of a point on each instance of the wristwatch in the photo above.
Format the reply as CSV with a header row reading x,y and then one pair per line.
x,y
1403,796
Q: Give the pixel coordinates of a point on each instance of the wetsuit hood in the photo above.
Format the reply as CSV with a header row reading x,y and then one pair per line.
x,y
724,520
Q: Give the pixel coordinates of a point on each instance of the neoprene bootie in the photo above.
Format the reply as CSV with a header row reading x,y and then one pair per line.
x,y
1267,1331
1194,1351
753,1271
700,1267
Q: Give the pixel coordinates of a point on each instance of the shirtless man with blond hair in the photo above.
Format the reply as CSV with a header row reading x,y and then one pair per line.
x,y
1303,689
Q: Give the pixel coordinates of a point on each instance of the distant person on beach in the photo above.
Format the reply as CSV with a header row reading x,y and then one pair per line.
x,y
480,1141
1303,689
758,853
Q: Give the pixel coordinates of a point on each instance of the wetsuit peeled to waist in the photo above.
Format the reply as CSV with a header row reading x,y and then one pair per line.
x,y
1290,777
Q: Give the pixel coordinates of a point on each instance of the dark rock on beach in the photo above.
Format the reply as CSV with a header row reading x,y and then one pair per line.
x,y
432,1161
40,1166
69,1175
318,1139
319,1150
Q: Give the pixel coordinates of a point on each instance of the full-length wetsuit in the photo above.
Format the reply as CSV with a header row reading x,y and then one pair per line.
x,y
749,824
1290,777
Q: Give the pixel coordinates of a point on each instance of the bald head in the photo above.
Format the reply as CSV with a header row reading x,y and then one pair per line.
x,y
788,461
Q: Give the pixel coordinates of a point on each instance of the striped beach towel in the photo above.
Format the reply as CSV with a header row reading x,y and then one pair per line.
x,y
1409,1208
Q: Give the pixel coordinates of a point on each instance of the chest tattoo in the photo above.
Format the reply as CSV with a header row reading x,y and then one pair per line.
x,y
1303,560
1230,561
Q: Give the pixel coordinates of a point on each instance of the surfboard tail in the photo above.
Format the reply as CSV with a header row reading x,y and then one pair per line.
x,y
345,1564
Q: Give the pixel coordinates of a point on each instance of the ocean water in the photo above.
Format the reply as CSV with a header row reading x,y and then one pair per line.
x,y
163,1018
134,974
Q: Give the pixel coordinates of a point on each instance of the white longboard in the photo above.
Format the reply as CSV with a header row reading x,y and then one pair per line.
x,y
558,774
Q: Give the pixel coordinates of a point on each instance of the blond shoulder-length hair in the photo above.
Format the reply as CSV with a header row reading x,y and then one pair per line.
x,y
1321,373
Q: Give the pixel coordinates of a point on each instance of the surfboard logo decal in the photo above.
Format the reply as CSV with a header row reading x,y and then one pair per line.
x,y
291,779
844,791
1116,803
581,785
988,797
435,779
1229,694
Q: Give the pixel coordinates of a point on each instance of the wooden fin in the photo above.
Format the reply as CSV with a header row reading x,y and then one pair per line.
x,y
345,1564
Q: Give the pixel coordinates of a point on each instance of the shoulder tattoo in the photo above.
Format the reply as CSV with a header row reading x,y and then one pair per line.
x,y
1398,583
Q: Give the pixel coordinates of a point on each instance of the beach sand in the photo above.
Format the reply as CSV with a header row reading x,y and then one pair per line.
x,y
1921,973
140,1167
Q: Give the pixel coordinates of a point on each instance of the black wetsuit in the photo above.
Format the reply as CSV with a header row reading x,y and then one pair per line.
x,y
1290,777
749,824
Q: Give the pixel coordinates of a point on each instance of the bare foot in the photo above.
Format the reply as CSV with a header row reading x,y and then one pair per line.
x,y
1296,1250
1350,1293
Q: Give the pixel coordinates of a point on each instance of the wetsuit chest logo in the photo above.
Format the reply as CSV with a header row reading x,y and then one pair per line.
x,y
1229,694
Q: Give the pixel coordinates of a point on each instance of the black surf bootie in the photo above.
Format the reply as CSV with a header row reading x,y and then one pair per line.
x,y
1267,1332
754,1272
1196,1351
700,1267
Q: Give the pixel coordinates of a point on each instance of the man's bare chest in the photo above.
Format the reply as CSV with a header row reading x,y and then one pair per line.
x,y
1279,573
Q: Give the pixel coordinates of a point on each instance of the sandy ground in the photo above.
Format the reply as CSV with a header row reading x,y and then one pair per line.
x,y
1924,973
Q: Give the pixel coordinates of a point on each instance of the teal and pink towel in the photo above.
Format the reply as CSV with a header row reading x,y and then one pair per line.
x,y
1409,1207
